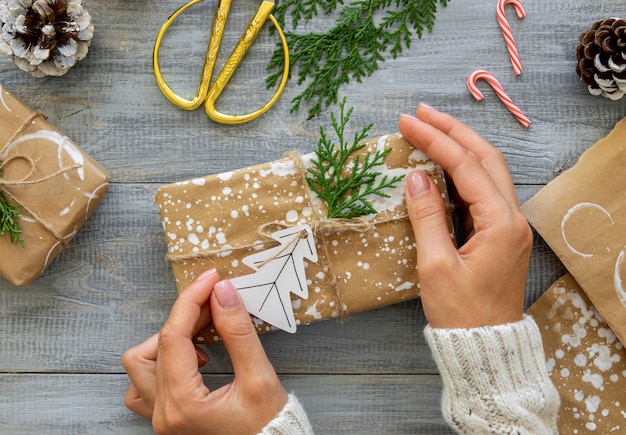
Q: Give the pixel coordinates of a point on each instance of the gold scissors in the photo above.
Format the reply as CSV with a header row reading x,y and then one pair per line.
x,y
208,94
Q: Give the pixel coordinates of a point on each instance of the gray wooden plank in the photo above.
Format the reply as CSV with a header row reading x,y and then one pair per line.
x,y
340,404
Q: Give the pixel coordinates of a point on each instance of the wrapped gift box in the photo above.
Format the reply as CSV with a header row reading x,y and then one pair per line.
x,y
217,220
55,184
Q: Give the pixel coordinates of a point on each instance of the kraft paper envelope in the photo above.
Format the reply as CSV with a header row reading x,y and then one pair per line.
x,y
587,363
582,216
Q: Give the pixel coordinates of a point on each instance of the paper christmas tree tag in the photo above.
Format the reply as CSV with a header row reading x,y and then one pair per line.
x,y
279,271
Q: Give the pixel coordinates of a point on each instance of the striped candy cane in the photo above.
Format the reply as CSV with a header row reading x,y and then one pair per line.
x,y
499,90
506,31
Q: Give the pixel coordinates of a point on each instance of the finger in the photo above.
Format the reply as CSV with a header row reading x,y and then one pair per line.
x,y
137,404
470,178
490,157
232,322
203,319
177,362
140,365
428,218
190,311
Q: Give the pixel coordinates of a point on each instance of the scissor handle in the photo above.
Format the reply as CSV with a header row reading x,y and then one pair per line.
x,y
219,22
248,37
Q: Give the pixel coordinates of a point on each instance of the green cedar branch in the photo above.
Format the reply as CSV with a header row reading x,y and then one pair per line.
x,y
346,191
9,215
352,49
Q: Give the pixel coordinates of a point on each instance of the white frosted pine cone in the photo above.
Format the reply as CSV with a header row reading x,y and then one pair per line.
x,y
45,37
601,56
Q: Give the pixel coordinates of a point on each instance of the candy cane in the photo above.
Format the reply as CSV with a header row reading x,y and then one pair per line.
x,y
506,31
497,87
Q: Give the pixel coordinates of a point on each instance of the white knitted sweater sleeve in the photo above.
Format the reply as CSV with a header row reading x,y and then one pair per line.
x,y
495,379
291,420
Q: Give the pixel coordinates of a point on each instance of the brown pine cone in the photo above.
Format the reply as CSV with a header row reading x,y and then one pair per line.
x,y
45,37
601,58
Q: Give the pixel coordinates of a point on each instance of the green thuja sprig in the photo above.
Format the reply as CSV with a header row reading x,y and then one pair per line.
x,y
346,187
9,215
365,33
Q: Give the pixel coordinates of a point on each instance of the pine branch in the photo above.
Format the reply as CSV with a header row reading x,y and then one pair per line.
x,y
9,215
352,49
303,10
346,195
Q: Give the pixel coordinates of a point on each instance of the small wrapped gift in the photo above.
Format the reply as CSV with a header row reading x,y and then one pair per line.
x,y
218,221
50,180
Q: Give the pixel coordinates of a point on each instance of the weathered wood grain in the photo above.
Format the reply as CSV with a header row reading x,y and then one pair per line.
x,y
61,339
338,404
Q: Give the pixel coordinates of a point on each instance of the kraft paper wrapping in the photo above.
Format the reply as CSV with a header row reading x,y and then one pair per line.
x,y
587,363
582,216
219,220
56,184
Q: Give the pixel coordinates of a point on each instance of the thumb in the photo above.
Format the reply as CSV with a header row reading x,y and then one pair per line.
x,y
232,322
428,218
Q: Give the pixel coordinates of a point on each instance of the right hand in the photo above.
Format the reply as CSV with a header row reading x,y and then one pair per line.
x,y
481,283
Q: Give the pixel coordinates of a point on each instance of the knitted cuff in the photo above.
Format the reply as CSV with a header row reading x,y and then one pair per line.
x,y
292,420
495,378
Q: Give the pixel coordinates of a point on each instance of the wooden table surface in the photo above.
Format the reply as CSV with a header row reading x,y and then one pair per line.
x,y
61,338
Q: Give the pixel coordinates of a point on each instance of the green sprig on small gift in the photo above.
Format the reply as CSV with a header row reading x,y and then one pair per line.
x,y
9,215
366,32
345,188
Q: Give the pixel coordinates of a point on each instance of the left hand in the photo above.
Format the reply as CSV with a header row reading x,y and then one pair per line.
x,y
482,282
166,386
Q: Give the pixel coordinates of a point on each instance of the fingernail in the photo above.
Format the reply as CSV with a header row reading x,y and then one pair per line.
x,y
203,358
427,106
411,117
206,274
418,184
227,295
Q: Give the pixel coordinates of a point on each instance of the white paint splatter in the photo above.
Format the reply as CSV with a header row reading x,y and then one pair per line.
x,y
283,168
225,176
291,216
594,379
405,286
4,102
592,403
569,214
617,278
312,311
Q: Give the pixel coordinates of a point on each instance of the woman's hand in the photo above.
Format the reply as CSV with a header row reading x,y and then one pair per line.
x,y
482,282
166,386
